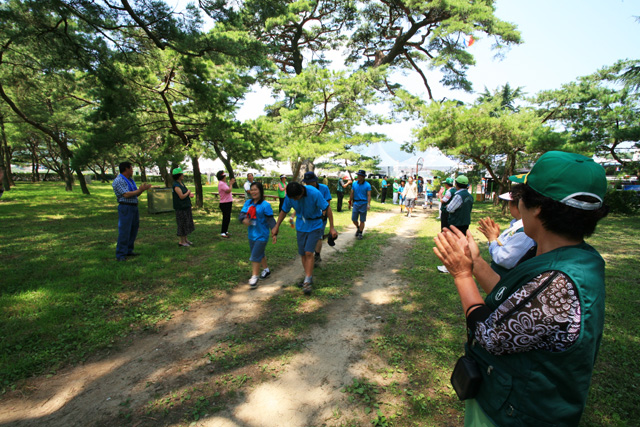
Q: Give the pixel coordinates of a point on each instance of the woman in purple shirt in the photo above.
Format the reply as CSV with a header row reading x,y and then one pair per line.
x,y
226,201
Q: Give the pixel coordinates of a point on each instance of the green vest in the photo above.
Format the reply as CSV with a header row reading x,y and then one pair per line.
x,y
282,193
462,215
541,388
178,203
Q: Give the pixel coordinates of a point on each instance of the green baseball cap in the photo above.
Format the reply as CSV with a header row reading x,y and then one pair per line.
x,y
564,176
462,180
449,181
176,171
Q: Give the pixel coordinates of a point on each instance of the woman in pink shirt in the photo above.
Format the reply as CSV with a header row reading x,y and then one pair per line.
x,y
226,201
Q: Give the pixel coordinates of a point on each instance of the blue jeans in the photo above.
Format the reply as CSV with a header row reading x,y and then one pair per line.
x,y
128,223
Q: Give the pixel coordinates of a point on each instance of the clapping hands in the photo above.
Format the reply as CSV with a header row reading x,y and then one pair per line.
x,y
456,251
489,228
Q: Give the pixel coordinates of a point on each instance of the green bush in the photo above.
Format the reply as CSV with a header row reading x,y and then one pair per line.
x,y
622,202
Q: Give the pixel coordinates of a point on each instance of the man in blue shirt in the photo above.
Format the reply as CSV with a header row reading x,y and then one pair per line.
x,y
361,202
310,206
128,216
311,179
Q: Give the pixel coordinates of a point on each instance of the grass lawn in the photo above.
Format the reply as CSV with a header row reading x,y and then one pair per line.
x,y
63,297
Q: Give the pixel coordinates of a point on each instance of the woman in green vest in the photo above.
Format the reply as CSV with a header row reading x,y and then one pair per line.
x,y
182,206
536,335
282,187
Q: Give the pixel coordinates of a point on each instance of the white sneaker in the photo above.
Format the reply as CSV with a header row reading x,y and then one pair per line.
x,y
265,273
253,282
442,269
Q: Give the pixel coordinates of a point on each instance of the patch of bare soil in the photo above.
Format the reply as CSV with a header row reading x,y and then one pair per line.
x,y
306,393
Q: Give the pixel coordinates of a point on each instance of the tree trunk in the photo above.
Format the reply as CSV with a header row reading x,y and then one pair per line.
x,y
5,160
197,180
83,183
226,161
143,174
162,167
66,171
103,173
35,164
295,168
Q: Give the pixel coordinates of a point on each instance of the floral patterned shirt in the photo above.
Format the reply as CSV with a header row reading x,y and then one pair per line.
x,y
549,321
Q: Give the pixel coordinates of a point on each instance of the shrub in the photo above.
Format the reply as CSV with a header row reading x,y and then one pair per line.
x,y
623,202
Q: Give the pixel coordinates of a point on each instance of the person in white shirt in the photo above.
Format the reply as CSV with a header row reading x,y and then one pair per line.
x,y
247,186
410,194
508,247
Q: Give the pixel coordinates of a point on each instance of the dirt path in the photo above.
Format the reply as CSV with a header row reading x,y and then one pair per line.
x,y
305,394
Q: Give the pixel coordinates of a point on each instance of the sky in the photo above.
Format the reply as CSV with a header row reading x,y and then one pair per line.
x,y
562,40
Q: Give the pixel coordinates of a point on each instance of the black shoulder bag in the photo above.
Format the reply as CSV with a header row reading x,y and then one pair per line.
x,y
466,377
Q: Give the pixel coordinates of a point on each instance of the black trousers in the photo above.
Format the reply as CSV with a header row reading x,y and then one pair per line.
x,y
280,205
444,219
226,216
383,197
340,197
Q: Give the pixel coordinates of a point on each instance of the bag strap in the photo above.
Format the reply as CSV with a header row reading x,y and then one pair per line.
x,y
525,301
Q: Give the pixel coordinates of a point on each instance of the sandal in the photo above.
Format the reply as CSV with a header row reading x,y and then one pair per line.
x,y
184,245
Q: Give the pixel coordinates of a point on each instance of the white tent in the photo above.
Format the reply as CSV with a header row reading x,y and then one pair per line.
x,y
433,159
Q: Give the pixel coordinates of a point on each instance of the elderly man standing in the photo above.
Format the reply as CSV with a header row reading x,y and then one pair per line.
x,y
128,215
247,186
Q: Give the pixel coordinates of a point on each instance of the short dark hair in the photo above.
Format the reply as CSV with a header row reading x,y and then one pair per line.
x,y
124,166
559,218
219,175
260,188
295,190
176,176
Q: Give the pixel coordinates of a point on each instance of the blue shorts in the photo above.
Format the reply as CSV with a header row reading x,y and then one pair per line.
x,y
307,240
359,210
257,250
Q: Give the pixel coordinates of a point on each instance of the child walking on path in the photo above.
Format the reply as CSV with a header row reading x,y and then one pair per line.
x,y
257,214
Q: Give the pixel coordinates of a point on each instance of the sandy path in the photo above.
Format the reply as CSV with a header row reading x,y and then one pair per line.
x,y
305,394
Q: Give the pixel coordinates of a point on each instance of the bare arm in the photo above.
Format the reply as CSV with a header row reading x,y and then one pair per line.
x,y
332,230
274,231
459,263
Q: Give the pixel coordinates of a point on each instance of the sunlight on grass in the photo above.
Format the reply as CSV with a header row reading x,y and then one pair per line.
x,y
28,304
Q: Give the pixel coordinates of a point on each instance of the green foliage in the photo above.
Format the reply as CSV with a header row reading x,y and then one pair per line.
x,y
486,133
408,34
319,110
623,202
596,113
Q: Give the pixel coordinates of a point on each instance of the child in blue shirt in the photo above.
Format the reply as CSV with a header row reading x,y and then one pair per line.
x,y
257,214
